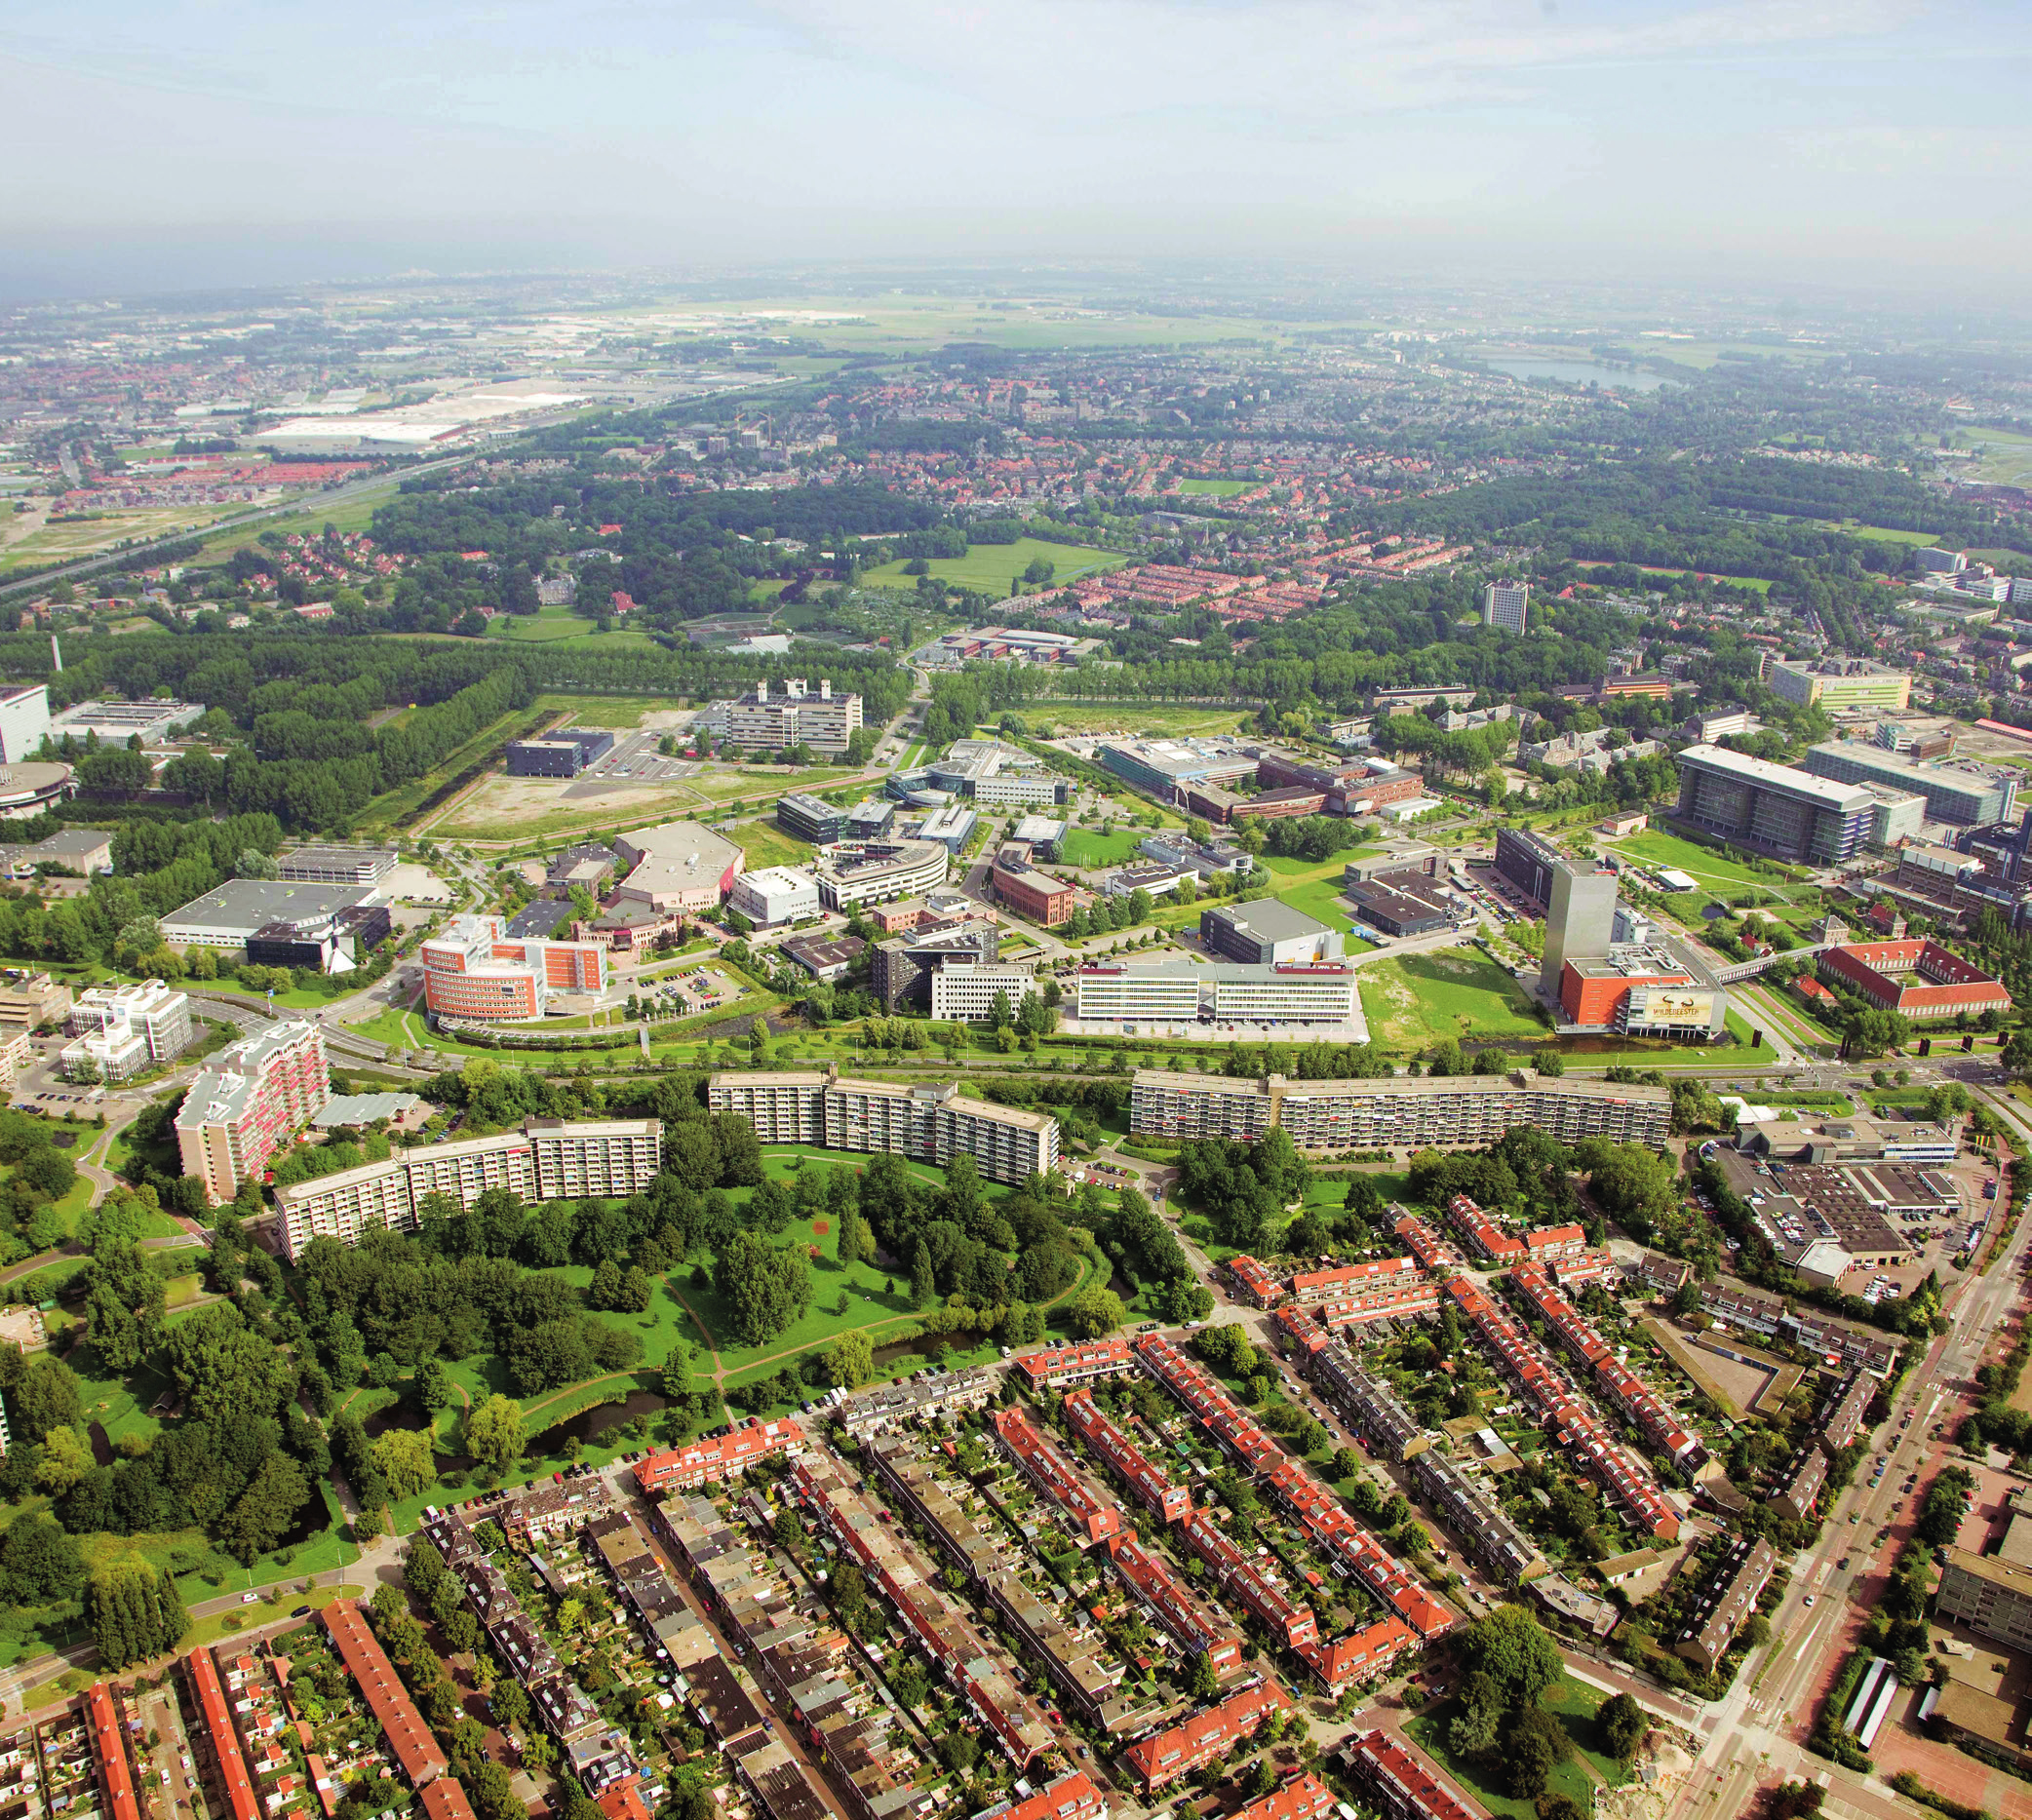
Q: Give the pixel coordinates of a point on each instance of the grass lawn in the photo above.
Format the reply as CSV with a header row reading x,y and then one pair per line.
x,y
764,845
1136,718
1878,533
1216,489
990,568
1086,846
602,710
1712,869
1417,999
547,624
1574,1704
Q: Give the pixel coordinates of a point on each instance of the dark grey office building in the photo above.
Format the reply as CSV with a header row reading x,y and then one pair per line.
x,y
810,818
564,751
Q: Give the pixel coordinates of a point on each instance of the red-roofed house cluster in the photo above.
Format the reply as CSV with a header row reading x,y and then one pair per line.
x,y
1341,1297
1056,1367
1916,979
1425,1242
1095,1516
1160,1759
1400,1783
1566,1413
1648,1412
1314,1508
708,1461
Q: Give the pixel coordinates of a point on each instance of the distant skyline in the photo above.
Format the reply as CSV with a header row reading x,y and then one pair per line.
x,y
179,143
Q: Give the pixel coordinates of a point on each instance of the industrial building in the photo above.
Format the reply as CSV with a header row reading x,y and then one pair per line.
x,y
548,1160
928,1121
564,751
239,910
1968,795
1395,1111
1775,808
1265,931
117,723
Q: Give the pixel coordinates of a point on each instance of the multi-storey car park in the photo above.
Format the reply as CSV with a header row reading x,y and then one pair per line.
x,y
549,1159
930,1121
1415,1111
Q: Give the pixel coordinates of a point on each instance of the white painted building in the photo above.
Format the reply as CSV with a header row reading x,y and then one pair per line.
x,y
774,895
122,1029
1144,992
966,994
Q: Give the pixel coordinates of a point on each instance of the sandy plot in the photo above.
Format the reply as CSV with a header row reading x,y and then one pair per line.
x,y
504,808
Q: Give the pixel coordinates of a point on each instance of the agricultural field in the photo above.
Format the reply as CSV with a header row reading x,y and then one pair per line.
x,y
1419,999
990,568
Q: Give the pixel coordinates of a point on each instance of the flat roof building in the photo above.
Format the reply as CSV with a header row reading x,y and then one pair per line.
x,y
1265,931
680,866
1840,682
563,752
232,915
247,1101
853,872
326,865
1963,795
1775,808
117,723
25,722
774,895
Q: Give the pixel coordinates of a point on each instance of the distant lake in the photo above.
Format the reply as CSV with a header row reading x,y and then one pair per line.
x,y
1577,372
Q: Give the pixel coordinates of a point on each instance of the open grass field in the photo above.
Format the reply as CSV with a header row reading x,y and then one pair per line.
x,y
547,624
83,537
1216,489
1419,999
392,806
1737,581
763,844
1878,533
1135,718
990,568
603,710
1087,846
1714,869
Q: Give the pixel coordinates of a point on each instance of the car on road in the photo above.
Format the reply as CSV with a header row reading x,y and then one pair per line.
x,y
300,1611
1809,1600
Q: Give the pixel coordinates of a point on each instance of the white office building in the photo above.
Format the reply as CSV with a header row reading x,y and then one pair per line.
x,y
824,721
1320,991
966,994
25,722
1506,604
1139,993
120,1030
777,894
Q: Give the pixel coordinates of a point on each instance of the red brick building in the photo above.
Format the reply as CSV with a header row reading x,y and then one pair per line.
x,y
1035,895
1917,979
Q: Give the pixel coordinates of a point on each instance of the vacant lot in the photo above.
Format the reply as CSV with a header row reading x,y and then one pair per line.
x,y
536,808
764,845
83,537
1129,718
1086,846
1417,999
992,568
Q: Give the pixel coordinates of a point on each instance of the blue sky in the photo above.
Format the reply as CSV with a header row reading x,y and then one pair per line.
x,y
1803,138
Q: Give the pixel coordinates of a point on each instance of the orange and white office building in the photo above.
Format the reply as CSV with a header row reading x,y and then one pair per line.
x,y
476,970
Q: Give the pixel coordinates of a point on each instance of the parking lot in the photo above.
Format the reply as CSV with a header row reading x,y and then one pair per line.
x,y
635,760
701,989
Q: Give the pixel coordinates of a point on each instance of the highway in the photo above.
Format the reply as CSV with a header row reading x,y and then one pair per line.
x,y
1756,1733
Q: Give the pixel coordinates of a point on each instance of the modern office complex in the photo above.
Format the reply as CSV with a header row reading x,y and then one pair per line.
x,y
777,894
903,968
1165,766
998,775
1840,682
966,994
824,721
119,1031
930,1122
1264,932
247,1101
1648,988
1526,861
562,752
811,818
853,872
1963,795
1182,991
476,970
320,864
1153,991
547,1160
1029,893
1395,1111
1775,808
680,866
1505,603
1580,920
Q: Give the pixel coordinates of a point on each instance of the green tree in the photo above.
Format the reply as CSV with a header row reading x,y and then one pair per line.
x,y
134,1612
764,1290
46,1396
64,1459
494,1433
1622,1724
851,1359
1096,1311
404,1458
1512,1648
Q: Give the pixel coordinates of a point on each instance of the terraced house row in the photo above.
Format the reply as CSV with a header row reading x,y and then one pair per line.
x,y
1646,1410
1354,1552
979,1671
1378,1417
805,1661
1568,1417
1075,1653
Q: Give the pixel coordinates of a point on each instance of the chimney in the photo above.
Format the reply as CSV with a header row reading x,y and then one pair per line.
x,y
56,653
825,688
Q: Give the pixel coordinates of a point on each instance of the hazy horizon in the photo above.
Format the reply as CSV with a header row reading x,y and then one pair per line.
x,y
1799,141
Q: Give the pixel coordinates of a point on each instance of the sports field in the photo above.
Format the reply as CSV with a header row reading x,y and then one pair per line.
x,y
1216,489
992,568
1419,999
